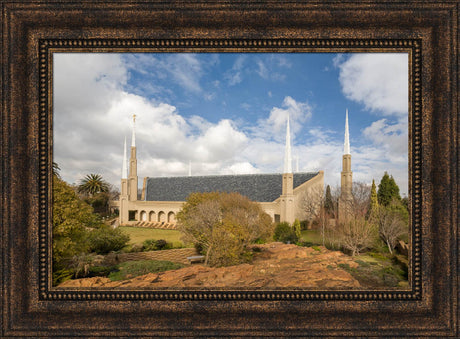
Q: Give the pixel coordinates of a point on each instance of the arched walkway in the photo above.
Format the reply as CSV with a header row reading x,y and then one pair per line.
x,y
161,216
171,217
143,216
152,216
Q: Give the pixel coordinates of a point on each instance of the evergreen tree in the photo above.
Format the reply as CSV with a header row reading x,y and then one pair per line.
x,y
388,190
328,203
374,203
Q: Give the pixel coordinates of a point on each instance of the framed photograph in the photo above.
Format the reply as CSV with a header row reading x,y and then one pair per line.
x,y
216,169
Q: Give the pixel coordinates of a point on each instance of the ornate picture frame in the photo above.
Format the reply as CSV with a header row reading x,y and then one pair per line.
x,y
33,31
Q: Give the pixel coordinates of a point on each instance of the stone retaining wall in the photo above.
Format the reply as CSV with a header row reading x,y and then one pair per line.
x,y
178,255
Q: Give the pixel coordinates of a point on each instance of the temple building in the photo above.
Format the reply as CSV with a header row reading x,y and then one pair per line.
x,y
281,195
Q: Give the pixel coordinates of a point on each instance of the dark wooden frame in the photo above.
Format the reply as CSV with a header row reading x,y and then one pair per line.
x,y
33,30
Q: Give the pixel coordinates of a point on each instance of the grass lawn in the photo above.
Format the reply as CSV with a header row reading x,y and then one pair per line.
x,y
312,236
137,235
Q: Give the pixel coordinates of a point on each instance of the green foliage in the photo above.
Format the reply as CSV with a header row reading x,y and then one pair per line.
x,y
223,225
285,233
296,228
71,219
62,274
99,202
328,202
304,225
101,271
388,190
106,239
132,269
374,202
156,245
56,170
93,184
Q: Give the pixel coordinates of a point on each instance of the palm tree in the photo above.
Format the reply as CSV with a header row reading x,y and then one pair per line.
x,y
93,184
56,169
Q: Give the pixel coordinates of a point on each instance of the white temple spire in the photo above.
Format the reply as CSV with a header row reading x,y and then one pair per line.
x,y
190,168
124,170
287,151
346,144
133,138
297,163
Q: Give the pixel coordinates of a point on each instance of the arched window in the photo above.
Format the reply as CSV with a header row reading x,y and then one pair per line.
x,y
171,217
161,216
152,216
143,216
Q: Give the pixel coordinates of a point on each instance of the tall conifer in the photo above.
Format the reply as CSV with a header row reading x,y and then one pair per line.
x,y
388,189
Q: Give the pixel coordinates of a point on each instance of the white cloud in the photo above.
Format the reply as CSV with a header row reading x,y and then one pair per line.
x,y
184,69
92,115
233,75
241,168
379,81
299,113
93,112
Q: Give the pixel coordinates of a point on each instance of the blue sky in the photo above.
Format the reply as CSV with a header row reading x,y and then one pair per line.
x,y
226,113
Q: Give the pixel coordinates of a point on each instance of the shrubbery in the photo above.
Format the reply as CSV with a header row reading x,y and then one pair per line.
x,y
106,239
78,231
222,225
156,245
285,233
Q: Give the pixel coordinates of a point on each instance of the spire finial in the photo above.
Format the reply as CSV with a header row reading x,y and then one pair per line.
x,y
133,138
287,151
190,168
124,170
346,144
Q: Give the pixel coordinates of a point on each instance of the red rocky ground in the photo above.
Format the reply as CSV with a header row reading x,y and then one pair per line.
x,y
276,265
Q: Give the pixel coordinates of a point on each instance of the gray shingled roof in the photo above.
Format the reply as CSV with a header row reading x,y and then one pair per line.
x,y
257,187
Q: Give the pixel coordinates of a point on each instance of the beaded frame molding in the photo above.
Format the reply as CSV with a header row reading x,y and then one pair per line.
x,y
48,47
34,30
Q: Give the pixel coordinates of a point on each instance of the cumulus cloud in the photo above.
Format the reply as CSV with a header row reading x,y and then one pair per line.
x,y
93,107
93,115
299,113
379,81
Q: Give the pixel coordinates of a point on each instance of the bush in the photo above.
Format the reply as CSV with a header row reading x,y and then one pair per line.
x,y
285,233
131,269
304,225
101,271
106,239
223,225
156,245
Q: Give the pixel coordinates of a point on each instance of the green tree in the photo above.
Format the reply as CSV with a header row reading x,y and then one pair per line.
x,y
223,225
392,222
328,202
388,189
71,217
374,202
56,170
93,184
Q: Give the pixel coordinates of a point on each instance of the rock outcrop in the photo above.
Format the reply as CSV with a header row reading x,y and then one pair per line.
x,y
275,265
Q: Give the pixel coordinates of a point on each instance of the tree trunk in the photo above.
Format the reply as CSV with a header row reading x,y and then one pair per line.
x,y
207,255
389,247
